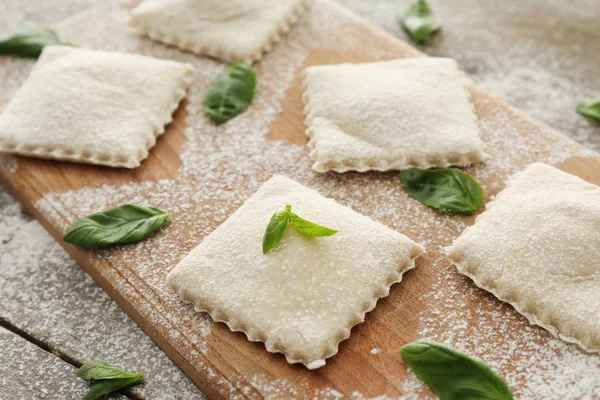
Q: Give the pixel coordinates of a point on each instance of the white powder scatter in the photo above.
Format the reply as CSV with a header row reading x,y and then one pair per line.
x,y
222,166
375,351
536,365
536,54
27,363
46,292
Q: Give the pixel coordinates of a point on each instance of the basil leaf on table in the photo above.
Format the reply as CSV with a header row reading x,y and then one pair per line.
x,y
590,110
122,225
419,22
105,387
453,375
279,223
31,43
231,93
97,370
106,379
447,189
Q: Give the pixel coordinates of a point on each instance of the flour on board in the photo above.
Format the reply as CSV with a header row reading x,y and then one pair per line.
x,y
223,166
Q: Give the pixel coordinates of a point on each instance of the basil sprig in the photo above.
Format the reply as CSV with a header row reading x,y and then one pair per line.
x,y
419,22
231,93
279,223
590,110
122,225
453,375
447,189
31,43
105,379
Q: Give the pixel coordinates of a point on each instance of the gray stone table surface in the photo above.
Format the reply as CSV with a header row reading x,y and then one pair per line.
x,y
540,55
28,372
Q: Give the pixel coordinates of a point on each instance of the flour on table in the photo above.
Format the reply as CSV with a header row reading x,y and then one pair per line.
x,y
223,166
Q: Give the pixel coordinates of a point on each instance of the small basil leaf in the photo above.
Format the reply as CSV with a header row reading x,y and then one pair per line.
x,y
105,387
590,110
30,44
276,229
453,375
310,228
448,189
231,93
126,224
419,22
97,370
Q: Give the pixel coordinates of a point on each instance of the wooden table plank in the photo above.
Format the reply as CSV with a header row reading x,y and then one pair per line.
x,y
27,372
540,55
45,293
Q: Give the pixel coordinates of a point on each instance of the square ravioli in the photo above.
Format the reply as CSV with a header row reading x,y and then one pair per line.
x,y
231,30
537,247
93,106
389,115
302,298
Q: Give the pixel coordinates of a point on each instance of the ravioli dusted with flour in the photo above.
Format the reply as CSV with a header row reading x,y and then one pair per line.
x,y
302,298
93,106
390,115
231,30
537,247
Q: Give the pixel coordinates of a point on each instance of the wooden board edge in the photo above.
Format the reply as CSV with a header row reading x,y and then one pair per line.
x,y
81,257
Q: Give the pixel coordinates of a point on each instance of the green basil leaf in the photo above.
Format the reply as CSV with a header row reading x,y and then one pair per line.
x,y
310,228
97,370
106,379
279,223
590,110
231,93
126,224
419,22
30,44
105,387
276,229
453,375
447,189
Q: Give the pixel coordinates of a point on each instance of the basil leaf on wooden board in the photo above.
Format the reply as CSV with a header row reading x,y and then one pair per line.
x,y
276,229
447,189
309,228
122,225
453,375
106,379
419,22
105,387
97,370
231,93
31,43
279,223
590,110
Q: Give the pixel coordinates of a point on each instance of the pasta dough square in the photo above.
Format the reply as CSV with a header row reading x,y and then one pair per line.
x,y
537,247
231,30
303,298
93,107
408,113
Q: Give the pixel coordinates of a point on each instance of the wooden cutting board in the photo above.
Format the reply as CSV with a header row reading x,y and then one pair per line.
x,y
202,173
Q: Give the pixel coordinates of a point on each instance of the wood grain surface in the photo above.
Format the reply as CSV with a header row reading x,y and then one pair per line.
x,y
225,364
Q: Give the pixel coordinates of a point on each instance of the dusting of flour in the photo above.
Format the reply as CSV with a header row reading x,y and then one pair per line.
x,y
222,166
